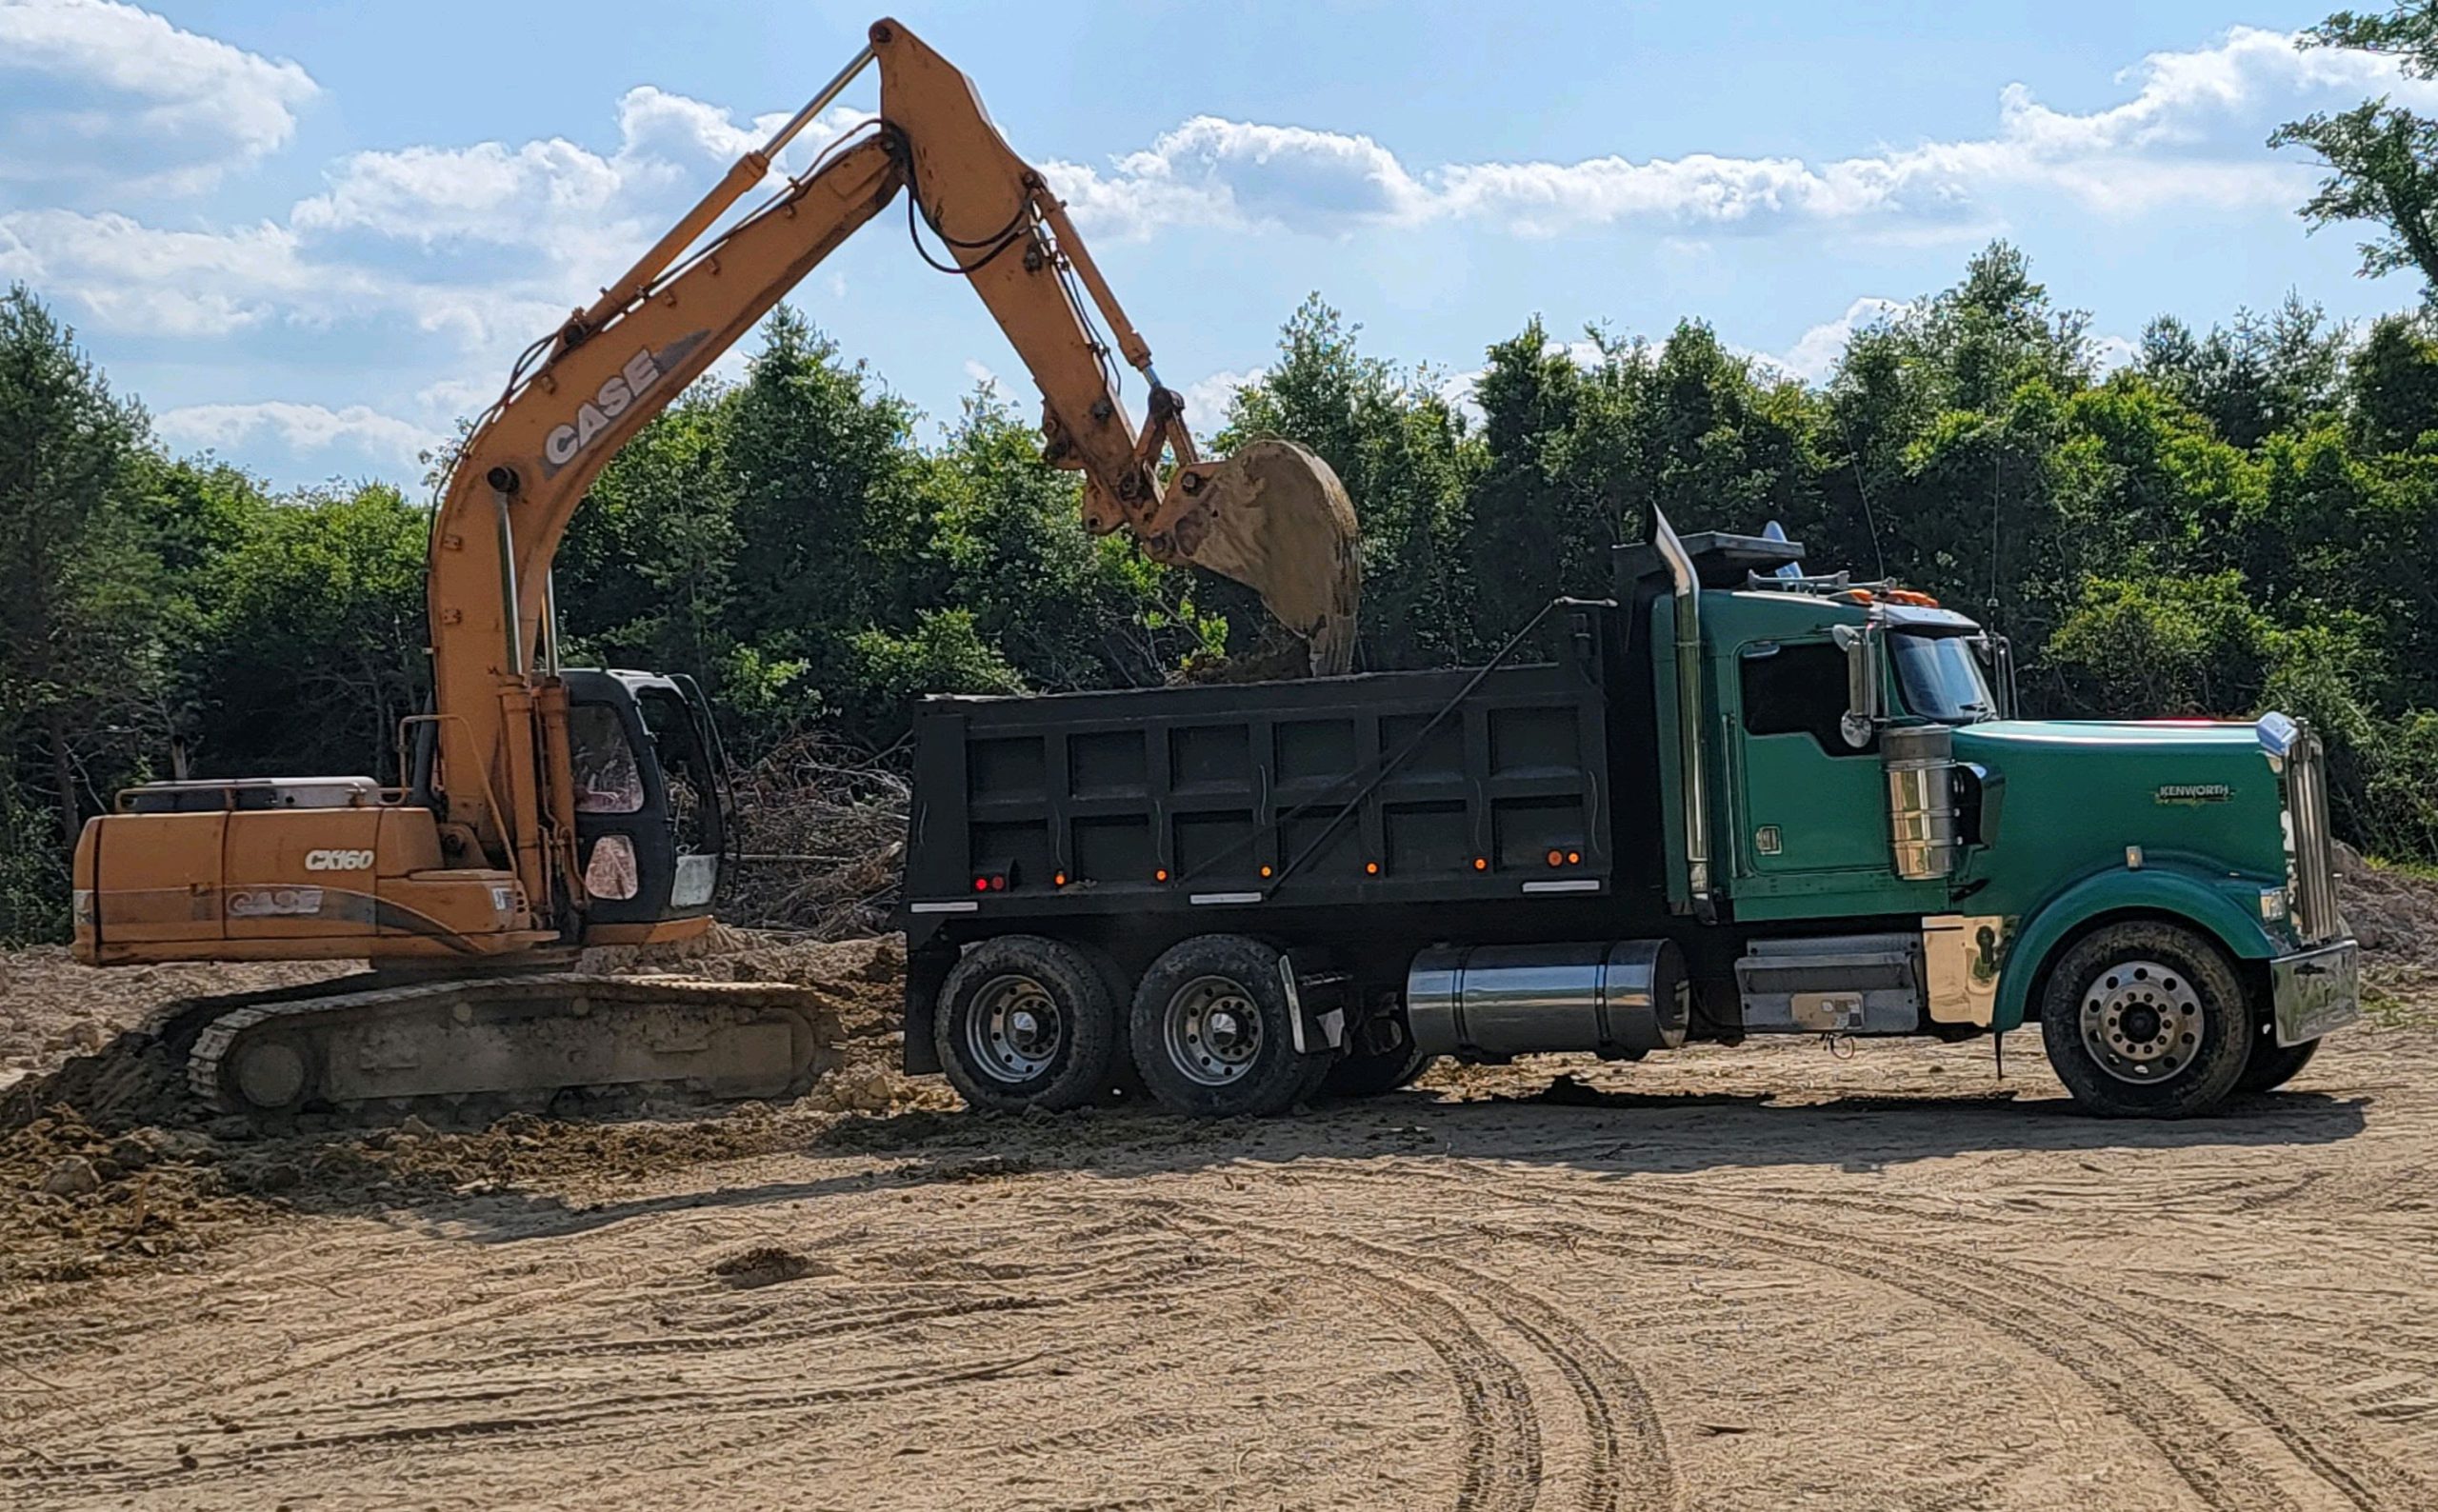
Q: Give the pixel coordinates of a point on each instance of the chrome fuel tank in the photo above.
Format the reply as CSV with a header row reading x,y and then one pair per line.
x,y
1492,1002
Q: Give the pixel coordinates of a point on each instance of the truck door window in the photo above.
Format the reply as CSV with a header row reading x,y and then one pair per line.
x,y
1796,688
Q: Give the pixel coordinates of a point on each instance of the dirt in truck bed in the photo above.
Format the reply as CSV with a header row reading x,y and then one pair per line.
x,y
1766,1276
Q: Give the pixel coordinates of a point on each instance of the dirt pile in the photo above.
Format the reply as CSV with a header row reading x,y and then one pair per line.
x,y
77,1201
2394,913
51,1009
107,1161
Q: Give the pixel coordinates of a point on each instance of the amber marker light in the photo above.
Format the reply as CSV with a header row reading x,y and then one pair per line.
x,y
1058,879
1161,875
1481,864
1265,871
1557,858
1574,858
1372,869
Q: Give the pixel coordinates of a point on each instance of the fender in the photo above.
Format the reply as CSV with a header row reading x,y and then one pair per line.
x,y
2160,887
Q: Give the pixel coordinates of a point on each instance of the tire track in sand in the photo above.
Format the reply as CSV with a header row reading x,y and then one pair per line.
x,y
2317,1438
1502,1448
1625,1448
2163,1383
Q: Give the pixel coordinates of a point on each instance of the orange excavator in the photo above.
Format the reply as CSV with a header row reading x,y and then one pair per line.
x,y
549,808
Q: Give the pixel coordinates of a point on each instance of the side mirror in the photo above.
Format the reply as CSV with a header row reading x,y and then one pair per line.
x,y
1863,680
1998,654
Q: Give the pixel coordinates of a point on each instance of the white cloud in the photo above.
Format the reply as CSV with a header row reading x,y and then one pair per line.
x,y
976,372
300,428
106,92
1206,399
1815,353
141,278
451,257
2108,353
2189,134
553,195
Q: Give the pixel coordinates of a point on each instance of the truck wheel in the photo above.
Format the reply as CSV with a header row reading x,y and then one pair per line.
x,y
1380,1072
2273,1064
1211,1032
2146,1019
1025,1023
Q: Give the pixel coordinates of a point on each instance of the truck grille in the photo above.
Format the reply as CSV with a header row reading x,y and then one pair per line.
x,y
2310,847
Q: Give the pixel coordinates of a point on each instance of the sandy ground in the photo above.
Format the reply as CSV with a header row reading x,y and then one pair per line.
x,y
1755,1278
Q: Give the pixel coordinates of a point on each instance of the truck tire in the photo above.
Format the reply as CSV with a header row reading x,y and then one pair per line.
x,y
1026,1023
2273,1064
1211,1032
1376,1073
2146,1019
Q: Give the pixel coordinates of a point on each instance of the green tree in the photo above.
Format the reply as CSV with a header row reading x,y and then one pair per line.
x,y
647,575
1404,456
80,665
310,645
829,504
2382,160
1005,539
2259,375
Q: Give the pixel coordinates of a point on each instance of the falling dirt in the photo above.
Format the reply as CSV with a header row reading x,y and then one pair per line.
x,y
1766,1276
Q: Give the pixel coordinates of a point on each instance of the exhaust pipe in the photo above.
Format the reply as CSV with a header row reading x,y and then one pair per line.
x,y
1689,715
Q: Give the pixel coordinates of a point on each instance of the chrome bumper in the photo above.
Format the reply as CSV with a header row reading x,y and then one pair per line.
x,y
2314,991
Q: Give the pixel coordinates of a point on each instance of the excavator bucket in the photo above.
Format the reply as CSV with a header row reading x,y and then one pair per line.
x,y
1275,518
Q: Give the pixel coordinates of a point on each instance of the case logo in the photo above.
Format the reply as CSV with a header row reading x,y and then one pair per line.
x,y
616,395
270,902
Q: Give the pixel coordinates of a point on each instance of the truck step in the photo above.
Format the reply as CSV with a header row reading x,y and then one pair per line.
x,y
1858,983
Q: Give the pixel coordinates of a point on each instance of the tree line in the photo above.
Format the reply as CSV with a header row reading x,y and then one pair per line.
x,y
2231,520
2234,519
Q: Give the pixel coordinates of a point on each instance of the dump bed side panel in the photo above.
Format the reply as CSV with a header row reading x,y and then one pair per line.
x,y
1394,789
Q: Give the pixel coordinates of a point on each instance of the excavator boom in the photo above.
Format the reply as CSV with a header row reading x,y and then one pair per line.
x,y
553,809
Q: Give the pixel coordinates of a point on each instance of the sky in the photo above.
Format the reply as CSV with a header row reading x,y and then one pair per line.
x,y
311,236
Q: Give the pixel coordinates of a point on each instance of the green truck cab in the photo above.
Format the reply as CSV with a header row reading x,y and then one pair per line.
x,y
1866,766
1741,801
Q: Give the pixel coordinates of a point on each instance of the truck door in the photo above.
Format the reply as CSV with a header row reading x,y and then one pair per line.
x,y
1811,803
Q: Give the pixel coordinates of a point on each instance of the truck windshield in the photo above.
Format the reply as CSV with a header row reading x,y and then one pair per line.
x,y
1940,678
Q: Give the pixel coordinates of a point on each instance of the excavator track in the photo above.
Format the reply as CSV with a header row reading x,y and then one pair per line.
x,y
515,1035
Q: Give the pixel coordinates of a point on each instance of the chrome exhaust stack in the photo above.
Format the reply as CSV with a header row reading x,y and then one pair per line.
x,y
1690,716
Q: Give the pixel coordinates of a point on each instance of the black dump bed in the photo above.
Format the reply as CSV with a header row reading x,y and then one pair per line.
x,y
1409,788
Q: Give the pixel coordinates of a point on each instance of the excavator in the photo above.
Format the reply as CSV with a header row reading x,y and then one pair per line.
x,y
550,810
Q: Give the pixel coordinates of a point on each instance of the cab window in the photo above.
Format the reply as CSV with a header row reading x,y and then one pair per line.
x,y
1796,688
608,781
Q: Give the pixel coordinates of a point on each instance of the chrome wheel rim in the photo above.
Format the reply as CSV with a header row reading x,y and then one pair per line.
x,y
2140,1022
1015,1031
1214,1031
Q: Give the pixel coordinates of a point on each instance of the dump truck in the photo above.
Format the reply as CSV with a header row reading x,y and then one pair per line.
x,y
1738,800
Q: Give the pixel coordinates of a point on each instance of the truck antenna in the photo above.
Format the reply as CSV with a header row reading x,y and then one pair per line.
x,y
1862,491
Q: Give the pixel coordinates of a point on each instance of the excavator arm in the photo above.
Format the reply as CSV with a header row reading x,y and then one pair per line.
x,y
1273,517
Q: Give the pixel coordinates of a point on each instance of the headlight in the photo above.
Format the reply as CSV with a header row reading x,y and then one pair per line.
x,y
2273,904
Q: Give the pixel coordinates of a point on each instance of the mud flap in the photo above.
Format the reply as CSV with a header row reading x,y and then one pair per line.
x,y
1313,1029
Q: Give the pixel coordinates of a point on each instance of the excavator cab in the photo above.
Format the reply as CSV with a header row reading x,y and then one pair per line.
x,y
653,816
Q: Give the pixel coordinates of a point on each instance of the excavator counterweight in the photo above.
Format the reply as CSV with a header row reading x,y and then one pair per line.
x,y
552,809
